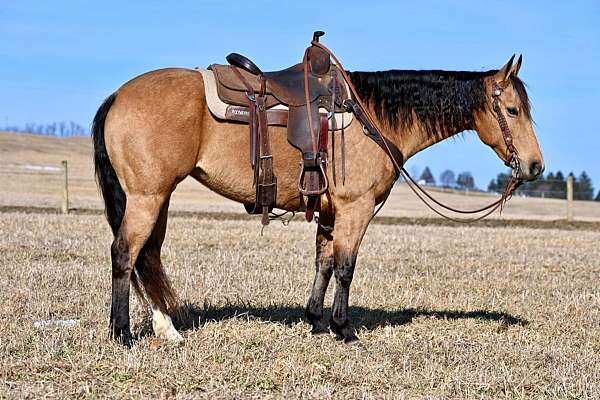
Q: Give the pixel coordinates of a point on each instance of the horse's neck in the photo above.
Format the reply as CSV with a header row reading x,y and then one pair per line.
x,y
415,138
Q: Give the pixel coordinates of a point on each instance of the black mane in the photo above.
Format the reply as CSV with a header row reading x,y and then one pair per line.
x,y
443,101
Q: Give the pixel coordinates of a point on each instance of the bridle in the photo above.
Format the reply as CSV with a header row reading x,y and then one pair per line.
x,y
373,130
512,159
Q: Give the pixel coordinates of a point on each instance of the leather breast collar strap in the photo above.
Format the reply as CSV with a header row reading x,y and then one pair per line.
x,y
371,131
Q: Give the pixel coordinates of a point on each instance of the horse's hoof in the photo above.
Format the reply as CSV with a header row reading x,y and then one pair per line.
x,y
172,336
353,340
168,334
123,337
343,332
163,327
318,326
348,338
319,330
126,342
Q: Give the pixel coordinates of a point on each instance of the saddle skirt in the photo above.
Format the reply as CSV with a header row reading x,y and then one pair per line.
x,y
277,112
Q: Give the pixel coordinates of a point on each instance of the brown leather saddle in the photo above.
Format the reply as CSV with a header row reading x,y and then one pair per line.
x,y
305,88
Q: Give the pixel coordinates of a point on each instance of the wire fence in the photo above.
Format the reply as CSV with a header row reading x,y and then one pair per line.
x,y
56,177
523,191
558,189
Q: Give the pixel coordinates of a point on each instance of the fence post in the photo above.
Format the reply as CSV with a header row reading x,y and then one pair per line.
x,y
65,196
569,198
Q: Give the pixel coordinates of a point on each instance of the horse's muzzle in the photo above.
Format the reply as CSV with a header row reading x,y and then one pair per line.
x,y
529,171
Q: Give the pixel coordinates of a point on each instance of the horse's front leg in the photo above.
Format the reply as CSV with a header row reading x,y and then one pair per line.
x,y
324,270
351,224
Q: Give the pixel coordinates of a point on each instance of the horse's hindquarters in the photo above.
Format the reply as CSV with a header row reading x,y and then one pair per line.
x,y
153,130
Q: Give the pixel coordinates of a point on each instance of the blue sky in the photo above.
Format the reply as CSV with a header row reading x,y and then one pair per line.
x,y
59,59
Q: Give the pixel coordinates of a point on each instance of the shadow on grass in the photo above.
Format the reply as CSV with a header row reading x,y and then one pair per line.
x,y
192,316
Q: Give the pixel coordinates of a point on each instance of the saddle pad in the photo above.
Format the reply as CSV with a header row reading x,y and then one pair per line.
x,y
218,108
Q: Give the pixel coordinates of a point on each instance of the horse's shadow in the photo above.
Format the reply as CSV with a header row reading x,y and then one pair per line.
x,y
191,316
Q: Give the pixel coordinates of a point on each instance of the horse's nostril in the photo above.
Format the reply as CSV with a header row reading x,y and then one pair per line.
x,y
536,168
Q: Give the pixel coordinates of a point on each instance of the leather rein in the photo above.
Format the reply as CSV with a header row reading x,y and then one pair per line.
x,y
373,131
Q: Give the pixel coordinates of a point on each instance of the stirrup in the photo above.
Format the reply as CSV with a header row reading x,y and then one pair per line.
x,y
313,188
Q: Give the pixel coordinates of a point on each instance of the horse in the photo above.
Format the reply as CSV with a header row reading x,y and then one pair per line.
x,y
156,130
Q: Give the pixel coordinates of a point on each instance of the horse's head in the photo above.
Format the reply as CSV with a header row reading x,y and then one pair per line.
x,y
507,119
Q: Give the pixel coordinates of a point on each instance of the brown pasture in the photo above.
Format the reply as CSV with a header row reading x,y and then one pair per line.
x,y
442,311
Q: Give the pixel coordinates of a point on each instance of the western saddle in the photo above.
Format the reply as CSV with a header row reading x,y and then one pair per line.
x,y
305,88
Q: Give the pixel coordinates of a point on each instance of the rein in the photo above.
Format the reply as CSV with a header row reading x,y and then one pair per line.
x,y
373,131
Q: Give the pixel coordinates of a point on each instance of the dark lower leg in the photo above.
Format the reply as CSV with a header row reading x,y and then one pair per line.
x,y
314,308
137,225
324,269
121,272
340,323
351,224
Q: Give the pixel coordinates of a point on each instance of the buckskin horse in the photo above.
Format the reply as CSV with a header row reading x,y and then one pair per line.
x,y
157,129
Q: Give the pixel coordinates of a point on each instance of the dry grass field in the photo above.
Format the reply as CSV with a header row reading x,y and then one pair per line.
x,y
442,312
484,311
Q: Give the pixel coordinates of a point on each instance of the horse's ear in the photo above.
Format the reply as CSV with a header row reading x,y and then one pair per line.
x,y
517,67
504,73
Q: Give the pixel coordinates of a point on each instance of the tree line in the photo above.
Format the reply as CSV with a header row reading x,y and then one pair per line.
x,y
61,128
449,180
551,185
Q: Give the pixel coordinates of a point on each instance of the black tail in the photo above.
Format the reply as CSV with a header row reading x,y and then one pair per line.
x,y
112,192
148,268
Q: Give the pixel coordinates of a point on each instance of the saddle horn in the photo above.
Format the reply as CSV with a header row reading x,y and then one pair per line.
x,y
317,35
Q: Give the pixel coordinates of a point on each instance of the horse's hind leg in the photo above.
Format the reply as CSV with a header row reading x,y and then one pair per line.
x,y
324,270
141,214
150,272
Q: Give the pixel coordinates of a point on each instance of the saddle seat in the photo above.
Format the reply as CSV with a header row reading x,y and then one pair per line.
x,y
306,89
282,87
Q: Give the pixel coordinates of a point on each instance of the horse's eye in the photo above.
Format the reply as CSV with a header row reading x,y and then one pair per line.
x,y
512,111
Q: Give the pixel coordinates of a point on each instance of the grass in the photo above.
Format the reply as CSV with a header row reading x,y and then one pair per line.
x,y
509,308
442,312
